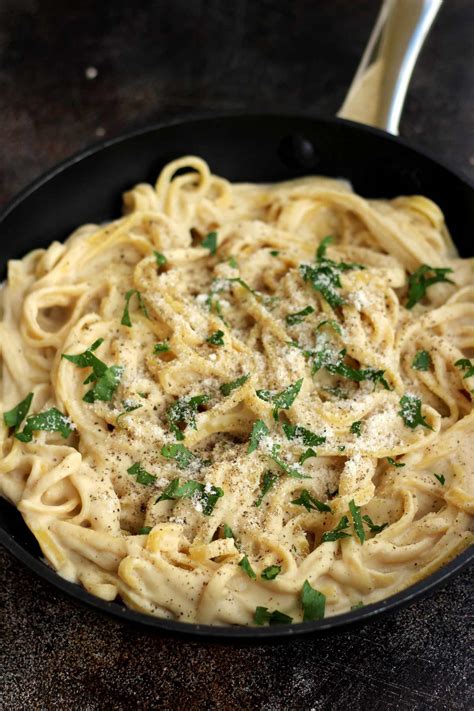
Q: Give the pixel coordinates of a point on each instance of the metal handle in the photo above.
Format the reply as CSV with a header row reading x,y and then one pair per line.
x,y
377,93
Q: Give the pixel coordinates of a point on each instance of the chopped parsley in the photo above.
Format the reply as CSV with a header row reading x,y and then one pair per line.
x,y
15,416
183,413
141,474
144,531
298,316
274,252
259,430
263,616
183,456
51,420
227,531
282,400
465,364
287,468
232,262
332,323
307,454
216,338
129,406
247,568
419,281
421,361
162,347
268,482
204,495
357,605
392,461
160,258
338,532
226,388
374,527
126,320
308,438
271,572
357,520
411,412
106,378
356,428
325,276
334,364
440,478
310,503
210,242
313,602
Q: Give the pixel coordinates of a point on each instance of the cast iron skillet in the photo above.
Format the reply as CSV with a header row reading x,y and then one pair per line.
x,y
265,148
87,188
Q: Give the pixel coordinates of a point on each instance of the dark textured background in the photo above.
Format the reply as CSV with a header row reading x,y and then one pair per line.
x,y
159,60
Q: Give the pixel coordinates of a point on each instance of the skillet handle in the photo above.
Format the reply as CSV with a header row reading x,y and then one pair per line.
x,y
377,93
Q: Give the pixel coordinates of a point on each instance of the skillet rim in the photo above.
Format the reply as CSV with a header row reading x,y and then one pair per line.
x,y
195,630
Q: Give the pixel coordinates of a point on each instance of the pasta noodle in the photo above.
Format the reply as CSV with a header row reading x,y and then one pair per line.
x,y
242,404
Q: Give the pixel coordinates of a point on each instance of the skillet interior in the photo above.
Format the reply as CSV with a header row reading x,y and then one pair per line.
x,y
88,187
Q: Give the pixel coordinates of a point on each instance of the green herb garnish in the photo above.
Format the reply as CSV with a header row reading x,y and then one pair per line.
x,y
15,416
357,605
210,242
308,438
374,527
204,495
332,323
274,252
282,400
106,378
271,572
233,263
216,338
162,347
310,503
356,428
183,413
247,568
440,478
357,520
263,616
226,388
337,532
126,321
421,361
288,469
392,461
465,364
419,281
411,412
144,531
142,476
313,602
268,482
307,454
184,457
51,420
160,258
227,531
259,430
129,406
298,316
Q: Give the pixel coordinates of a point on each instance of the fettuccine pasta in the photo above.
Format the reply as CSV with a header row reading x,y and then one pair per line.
x,y
242,404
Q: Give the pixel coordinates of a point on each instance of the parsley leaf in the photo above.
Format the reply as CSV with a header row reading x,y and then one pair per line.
x,y
411,412
247,568
262,616
228,532
160,258
308,438
340,368
184,457
271,572
392,461
274,252
216,338
210,242
356,428
374,527
143,477
357,605
144,531
259,430
357,520
162,347
15,416
307,454
310,503
233,262
183,412
204,494
288,469
314,603
332,323
419,281
51,420
126,321
337,532
421,361
323,246
226,388
298,316
106,378
268,482
129,406
440,478
465,364
282,400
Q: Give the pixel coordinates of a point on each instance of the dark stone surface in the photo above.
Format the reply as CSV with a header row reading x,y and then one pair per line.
x,y
158,60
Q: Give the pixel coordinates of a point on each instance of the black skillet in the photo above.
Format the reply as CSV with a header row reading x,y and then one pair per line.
x,y
87,188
